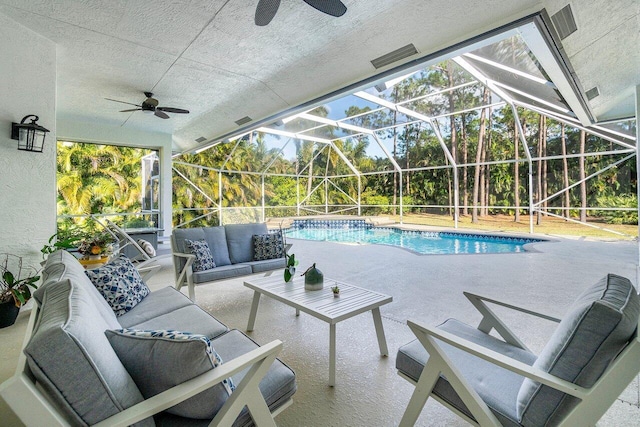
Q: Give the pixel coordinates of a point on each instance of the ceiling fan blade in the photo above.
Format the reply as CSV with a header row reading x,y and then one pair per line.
x,y
265,11
173,110
330,7
122,102
128,111
161,114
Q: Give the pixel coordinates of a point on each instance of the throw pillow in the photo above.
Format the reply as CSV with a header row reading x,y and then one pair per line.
x,y
204,259
120,284
147,247
159,360
268,246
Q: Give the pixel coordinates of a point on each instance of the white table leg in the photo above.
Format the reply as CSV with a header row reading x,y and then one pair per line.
x,y
332,354
297,312
254,311
382,341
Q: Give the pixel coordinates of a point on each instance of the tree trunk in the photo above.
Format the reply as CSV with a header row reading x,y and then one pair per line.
x,y
545,164
454,132
583,184
465,171
395,173
479,150
565,172
516,171
484,173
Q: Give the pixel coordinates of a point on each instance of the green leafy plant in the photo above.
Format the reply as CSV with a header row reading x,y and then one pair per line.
x,y
96,244
290,269
16,285
54,244
335,289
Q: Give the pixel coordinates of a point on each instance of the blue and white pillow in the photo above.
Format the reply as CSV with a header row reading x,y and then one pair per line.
x,y
119,282
159,360
268,246
200,248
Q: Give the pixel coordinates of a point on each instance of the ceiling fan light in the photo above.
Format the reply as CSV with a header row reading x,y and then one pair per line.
x,y
147,111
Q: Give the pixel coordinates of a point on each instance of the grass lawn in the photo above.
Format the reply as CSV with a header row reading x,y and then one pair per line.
x,y
548,225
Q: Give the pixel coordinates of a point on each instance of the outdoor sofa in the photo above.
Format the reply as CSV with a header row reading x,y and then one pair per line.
x,y
206,254
122,359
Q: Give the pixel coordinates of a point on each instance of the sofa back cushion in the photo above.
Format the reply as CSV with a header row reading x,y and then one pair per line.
x,y
63,265
72,359
214,236
240,240
596,328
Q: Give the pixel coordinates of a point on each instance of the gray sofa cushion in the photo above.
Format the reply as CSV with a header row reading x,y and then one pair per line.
x,y
597,326
224,272
496,386
189,319
267,265
155,304
277,386
240,240
159,360
61,264
217,239
72,359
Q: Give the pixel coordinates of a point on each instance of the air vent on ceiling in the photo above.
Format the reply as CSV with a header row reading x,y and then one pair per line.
x,y
592,93
244,120
564,22
201,139
396,55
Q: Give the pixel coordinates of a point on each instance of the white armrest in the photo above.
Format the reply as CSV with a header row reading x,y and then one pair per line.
x,y
423,331
186,271
187,389
475,297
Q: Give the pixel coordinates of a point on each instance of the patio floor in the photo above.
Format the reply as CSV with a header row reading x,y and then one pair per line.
x,y
424,287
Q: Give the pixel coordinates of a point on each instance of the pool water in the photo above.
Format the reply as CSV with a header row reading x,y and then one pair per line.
x,y
422,242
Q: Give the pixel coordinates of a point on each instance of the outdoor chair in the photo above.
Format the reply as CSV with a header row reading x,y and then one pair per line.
x,y
591,357
145,260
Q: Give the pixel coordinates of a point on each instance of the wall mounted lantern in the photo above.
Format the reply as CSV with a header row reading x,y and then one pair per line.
x,y
30,136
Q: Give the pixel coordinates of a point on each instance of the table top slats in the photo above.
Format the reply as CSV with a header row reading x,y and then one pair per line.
x,y
322,304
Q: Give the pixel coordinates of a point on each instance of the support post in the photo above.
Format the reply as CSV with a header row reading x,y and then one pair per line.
x,y
219,197
638,174
263,212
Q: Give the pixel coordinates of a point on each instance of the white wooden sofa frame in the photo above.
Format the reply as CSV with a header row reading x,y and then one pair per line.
x,y
186,274
594,401
31,404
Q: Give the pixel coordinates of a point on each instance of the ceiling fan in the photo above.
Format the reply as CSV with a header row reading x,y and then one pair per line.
x,y
150,105
267,9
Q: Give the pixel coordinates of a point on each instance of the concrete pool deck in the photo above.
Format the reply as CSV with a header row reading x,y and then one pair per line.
x,y
424,287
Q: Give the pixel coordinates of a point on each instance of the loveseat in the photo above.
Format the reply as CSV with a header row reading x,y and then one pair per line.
x,y
164,361
207,254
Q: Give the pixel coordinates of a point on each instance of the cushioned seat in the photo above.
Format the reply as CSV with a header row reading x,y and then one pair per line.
x,y
157,303
599,327
498,387
267,265
223,272
277,386
190,319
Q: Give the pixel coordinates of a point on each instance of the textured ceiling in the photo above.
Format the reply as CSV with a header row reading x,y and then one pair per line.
x,y
209,57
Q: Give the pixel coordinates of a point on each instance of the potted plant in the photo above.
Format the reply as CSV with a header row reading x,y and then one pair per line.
x,y
54,243
336,291
96,246
16,282
290,269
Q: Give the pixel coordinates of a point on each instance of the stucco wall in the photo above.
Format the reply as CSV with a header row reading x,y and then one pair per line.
x,y
27,180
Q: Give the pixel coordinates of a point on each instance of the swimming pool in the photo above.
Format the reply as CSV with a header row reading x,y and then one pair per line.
x,y
422,242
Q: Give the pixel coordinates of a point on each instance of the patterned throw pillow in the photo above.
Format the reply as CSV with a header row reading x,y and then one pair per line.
x,y
204,259
268,246
147,247
159,360
120,284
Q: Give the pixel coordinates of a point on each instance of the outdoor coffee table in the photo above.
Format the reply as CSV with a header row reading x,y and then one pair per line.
x,y
321,304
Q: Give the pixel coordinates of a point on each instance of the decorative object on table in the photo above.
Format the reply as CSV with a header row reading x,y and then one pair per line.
x,y
15,283
336,291
313,278
290,269
96,249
